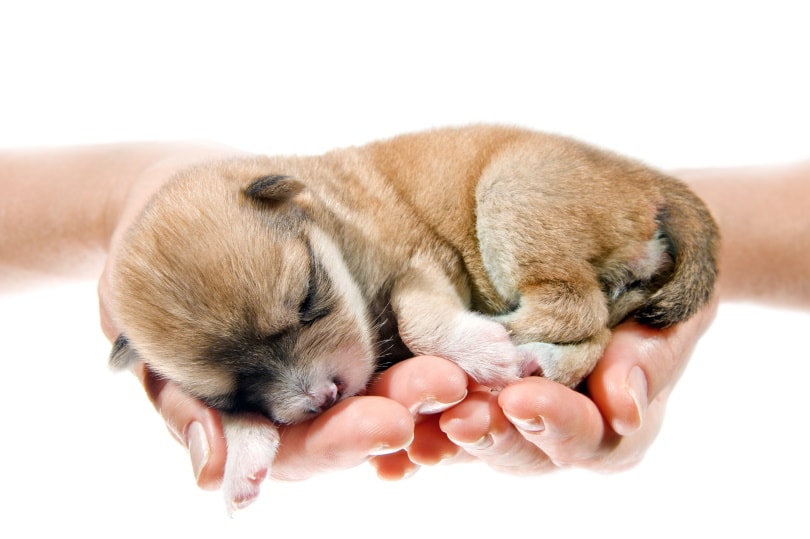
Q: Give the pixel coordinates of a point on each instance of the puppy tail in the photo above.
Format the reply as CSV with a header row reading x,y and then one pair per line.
x,y
692,236
122,355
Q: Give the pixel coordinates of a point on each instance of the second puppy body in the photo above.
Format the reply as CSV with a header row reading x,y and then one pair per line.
x,y
279,285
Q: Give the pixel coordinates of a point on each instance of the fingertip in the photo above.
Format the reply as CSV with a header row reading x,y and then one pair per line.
x,y
619,395
636,387
472,419
638,362
394,467
529,398
195,425
641,363
423,384
377,426
538,406
207,449
430,444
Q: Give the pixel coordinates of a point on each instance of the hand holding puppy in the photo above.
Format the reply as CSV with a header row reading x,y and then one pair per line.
x,y
415,390
420,399
419,389
109,185
536,426
275,287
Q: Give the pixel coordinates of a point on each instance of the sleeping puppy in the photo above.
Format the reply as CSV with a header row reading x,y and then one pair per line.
x,y
279,285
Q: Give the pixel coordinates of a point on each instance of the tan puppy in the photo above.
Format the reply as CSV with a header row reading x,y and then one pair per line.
x,y
279,285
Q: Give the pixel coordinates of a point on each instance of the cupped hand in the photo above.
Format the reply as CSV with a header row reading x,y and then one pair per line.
x,y
425,410
342,437
536,426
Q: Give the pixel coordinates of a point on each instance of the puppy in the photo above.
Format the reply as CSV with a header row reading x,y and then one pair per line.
x,y
279,285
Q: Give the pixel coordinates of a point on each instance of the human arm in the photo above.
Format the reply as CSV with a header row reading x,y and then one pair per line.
x,y
764,218
61,207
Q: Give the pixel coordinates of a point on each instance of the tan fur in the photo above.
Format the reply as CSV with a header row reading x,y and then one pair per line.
x,y
505,250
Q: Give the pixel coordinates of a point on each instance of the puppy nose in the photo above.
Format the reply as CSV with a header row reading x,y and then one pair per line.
x,y
326,397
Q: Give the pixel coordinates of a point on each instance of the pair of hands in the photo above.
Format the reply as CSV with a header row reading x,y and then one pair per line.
x,y
426,410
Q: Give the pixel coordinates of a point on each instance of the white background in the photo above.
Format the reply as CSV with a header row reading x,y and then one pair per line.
x,y
676,84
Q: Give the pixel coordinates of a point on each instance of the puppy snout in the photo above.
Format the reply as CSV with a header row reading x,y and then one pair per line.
x,y
327,396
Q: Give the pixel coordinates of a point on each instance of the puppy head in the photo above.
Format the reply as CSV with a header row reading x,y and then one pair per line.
x,y
227,287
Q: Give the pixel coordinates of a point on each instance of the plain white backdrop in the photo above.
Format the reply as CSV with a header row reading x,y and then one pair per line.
x,y
676,84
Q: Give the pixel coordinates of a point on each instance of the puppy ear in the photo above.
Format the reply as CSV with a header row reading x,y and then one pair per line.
x,y
122,354
274,188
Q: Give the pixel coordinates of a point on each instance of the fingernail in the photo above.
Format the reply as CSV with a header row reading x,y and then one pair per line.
x,y
385,449
484,442
198,448
637,389
432,406
535,424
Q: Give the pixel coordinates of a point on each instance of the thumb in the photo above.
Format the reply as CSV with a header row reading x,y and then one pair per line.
x,y
641,364
195,425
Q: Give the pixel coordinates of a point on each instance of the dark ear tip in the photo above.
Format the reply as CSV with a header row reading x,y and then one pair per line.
x,y
122,354
275,187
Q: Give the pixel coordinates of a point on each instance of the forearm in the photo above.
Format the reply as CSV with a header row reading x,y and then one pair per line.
x,y
60,207
764,219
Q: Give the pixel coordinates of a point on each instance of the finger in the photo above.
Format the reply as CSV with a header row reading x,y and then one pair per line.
x,y
430,444
423,384
639,364
479,427
394,466
192,423
196,426
562,423
342,437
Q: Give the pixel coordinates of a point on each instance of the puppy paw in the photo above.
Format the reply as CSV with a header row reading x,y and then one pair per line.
x,y
540,358
567,364
484,350
252,446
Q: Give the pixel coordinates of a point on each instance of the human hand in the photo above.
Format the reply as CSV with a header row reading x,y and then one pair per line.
x,y
342,437
425,407
536,425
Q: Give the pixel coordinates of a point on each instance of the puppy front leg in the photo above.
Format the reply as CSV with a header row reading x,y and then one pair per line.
x,y
433,319
252,445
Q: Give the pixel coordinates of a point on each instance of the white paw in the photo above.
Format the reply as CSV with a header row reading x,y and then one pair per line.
x,y
541,358
252,446
567,364
484,350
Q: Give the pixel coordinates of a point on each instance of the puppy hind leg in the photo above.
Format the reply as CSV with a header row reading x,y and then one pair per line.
x,y
557,312
561,329
252,445
567,364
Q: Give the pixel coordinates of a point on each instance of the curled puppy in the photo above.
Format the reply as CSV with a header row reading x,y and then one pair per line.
x,y
279,285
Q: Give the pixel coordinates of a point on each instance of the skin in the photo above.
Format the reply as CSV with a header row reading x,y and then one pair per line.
x,y
63,210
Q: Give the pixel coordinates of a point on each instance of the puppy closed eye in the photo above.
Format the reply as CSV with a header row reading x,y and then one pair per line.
x,y
318,301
